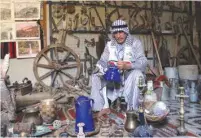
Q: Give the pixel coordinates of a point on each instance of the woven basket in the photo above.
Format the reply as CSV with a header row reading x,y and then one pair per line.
x,y
154,118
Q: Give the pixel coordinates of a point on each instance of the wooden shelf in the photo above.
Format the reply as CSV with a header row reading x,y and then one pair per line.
x,y
76,3
85,31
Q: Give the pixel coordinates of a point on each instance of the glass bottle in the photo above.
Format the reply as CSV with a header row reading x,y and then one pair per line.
x,y
150,96
193,93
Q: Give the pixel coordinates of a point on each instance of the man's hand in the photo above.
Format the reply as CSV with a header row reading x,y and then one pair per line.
x,y
123,65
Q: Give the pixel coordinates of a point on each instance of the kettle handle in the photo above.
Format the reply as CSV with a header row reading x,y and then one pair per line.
x,y
91,102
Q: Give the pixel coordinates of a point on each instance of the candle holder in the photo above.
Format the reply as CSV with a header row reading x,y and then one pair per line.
x,y
181,130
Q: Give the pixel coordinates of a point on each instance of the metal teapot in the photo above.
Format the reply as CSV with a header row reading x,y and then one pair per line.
x,y
83,106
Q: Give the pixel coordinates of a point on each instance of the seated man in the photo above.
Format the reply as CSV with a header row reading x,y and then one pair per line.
x,y
128,55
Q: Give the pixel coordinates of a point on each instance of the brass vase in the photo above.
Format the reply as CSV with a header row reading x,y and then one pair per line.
x,y
131,121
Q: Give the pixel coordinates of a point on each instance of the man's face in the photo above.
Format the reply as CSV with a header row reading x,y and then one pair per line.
x,y
120,37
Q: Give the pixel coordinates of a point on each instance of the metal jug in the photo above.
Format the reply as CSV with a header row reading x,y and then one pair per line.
x,y
131,121
83,106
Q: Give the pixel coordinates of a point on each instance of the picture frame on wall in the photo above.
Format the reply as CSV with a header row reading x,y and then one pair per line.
x,y
27,30
6,13
27,10
7,31
27,48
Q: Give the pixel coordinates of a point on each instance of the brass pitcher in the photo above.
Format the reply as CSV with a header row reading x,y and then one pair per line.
x,y
131,121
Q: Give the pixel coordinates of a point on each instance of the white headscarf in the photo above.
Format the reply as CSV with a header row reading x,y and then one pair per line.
x,y
120,25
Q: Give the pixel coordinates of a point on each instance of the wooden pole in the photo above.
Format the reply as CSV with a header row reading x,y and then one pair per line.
x,y
158,57
192,49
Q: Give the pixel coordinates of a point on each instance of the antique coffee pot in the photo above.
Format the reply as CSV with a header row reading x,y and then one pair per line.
x,y
131,121
83,106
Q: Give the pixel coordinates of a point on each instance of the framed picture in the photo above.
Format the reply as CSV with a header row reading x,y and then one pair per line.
x,y
27,49
6,14
27,10
7,31
27,30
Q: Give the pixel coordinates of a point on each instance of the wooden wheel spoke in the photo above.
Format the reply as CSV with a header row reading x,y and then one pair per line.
x,y
61,78
66,56
46,75
54,77
67,66
46,57
67,75
56,53
45,66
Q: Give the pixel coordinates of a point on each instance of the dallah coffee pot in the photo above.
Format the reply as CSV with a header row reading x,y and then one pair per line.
x,y
83,106
131,121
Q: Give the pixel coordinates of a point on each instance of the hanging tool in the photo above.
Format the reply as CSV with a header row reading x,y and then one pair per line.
x,y
174,60
109,22
191,47
117,9
90,43
157,54
76,37
99,17
164,53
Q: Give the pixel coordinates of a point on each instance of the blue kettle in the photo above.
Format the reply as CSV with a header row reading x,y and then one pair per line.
x,y
83,106
113,78
113,75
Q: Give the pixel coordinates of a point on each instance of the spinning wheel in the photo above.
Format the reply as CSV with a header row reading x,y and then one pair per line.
x,y
56,64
